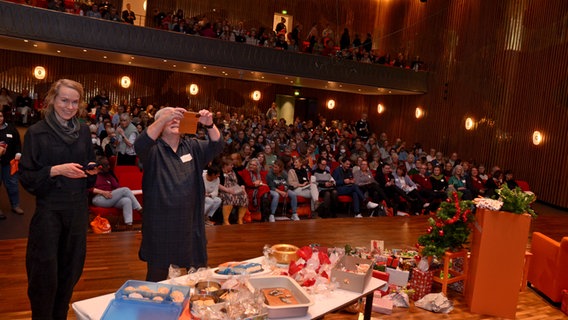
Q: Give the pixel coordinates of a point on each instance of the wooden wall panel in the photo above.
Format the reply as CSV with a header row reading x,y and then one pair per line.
x,y
505,65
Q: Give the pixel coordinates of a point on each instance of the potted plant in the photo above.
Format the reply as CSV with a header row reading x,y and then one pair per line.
x,y
449,229
498,248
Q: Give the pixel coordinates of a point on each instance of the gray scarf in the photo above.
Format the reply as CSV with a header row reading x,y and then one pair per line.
x,y
68,133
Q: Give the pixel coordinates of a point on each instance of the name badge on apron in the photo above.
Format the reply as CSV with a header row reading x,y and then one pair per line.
x,y
186,158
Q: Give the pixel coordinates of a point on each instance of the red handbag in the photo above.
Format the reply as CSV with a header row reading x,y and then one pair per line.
x,y
100,225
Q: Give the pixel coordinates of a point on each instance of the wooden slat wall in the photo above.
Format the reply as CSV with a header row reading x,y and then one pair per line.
x,y
501,62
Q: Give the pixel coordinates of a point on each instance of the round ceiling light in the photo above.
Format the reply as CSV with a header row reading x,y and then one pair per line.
x,y
256,95
125,82
419,113
330,104
380,108
39,72
193,89
469,123
537,138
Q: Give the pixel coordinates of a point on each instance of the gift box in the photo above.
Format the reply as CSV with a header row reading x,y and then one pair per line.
x,y
381,275
384,290
349,273
377,246
382,305
564,306
398,277
392,262
421,282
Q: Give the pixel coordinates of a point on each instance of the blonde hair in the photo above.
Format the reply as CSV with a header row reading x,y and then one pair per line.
x,y
54,91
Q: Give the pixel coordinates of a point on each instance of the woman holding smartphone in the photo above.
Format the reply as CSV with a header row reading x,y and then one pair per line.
x,y
55,169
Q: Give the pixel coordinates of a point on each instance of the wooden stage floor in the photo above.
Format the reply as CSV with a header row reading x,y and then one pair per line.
x,y
112,258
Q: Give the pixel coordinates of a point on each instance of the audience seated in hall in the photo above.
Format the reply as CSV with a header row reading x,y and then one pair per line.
x,y
308,150
258,192
212,200
300,182
345,185
409,190
108,193
277,180
328,44
325,183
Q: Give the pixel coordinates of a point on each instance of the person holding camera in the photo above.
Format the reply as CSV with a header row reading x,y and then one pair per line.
x,y
173,228
110,143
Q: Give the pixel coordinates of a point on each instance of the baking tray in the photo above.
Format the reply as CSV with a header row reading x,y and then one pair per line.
x,y
287,311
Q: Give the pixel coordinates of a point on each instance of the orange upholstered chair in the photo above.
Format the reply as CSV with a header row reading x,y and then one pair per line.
x,y
304,207
549,265
345,200
131,177
523,185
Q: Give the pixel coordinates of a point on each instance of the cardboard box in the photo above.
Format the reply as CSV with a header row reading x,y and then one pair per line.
x,y
398,277
382,305
346,273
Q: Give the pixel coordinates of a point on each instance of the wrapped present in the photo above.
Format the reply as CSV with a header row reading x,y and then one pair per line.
x,y
392,262
382,305
564,306
435,302
399,299
377,246
421,282
381,275
384,290
398,277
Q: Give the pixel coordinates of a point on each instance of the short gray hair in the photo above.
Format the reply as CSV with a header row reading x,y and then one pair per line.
x,y
159,113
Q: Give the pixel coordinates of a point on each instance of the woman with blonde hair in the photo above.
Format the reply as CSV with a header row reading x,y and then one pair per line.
x,y
232,192
57,167
258,192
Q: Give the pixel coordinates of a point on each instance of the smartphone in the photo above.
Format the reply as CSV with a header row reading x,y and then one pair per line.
x,y
188,123
89,167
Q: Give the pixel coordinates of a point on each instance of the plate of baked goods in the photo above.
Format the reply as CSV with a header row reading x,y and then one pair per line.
x,y
235,268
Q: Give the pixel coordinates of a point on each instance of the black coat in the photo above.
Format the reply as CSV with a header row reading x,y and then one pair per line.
x,y
9,134
44,149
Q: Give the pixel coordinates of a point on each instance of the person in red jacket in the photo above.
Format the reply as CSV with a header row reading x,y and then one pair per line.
x,y
256,187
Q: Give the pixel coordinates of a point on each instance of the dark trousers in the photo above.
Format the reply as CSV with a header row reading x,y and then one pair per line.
x,y
329,197
355,193
55,256
375,192
156,273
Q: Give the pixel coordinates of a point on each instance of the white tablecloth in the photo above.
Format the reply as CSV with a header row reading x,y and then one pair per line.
x,y
93,309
